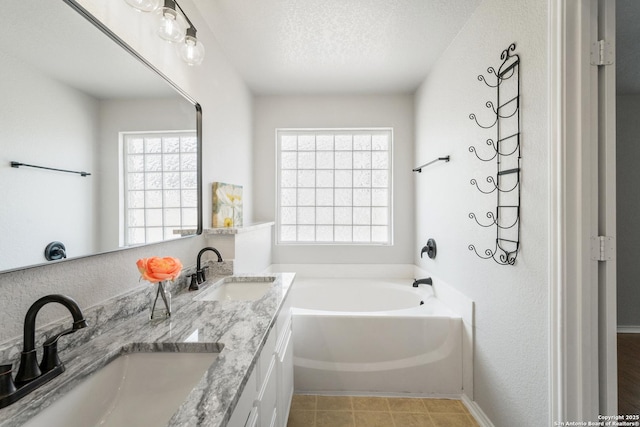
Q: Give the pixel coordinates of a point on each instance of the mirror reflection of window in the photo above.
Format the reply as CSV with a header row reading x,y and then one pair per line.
x,y
160,185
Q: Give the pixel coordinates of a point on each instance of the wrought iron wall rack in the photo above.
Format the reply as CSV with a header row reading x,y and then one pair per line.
x,y
505,150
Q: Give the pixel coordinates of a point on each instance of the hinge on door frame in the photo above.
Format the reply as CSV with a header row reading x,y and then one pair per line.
x,y
601,53
603,248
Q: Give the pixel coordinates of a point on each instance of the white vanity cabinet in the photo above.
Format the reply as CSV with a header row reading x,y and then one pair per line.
x,y
267,395
284,364
245,410
267,383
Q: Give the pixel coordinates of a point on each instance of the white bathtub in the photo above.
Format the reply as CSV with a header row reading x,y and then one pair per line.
x,y
373,336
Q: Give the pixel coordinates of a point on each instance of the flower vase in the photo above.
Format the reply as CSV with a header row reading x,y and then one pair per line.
x,y
160,302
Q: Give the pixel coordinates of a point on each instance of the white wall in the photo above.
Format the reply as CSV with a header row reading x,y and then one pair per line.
x,y
42,206
226,105
334,111
511,378
628,177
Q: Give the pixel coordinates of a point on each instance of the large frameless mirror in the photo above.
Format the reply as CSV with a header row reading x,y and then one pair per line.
x,y
98,150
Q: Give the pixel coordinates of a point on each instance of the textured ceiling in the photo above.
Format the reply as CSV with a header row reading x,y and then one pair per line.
x,y
334,46
627,47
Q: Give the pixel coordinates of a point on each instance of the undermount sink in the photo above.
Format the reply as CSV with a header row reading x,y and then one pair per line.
x,y
238,288
135,389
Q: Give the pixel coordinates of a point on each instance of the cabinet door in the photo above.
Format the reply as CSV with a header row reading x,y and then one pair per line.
x,y
265,360
243,410
267,396
285,375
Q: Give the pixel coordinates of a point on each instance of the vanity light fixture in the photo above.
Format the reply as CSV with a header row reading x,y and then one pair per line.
x,y
171,28
144,5
191,50
175,27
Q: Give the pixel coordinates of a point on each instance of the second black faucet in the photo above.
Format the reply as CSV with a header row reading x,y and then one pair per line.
x,y
200,276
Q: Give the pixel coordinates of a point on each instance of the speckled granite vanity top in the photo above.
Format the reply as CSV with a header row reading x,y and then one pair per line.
x,y
238,328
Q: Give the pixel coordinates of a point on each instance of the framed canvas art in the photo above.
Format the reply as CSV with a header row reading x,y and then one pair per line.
x,y
227,205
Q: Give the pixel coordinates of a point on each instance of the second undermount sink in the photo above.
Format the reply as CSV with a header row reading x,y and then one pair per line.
x,y
135,389
238,288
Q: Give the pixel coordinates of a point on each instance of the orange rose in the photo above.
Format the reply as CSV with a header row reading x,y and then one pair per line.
x,y
156,269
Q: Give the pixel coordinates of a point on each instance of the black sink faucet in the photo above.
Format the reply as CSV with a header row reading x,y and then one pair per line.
x,y
31,376
200,275
425,281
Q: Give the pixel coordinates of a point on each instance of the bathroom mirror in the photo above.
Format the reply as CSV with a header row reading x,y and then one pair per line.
x,y
76,98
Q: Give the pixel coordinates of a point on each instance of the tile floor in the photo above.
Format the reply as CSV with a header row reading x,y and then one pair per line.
x,y
347,411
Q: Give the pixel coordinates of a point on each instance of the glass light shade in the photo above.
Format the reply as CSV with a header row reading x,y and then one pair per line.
x,y
144,5
191,51
171,28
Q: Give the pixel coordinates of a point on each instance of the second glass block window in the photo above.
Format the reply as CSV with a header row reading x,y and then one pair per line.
x,y
334,186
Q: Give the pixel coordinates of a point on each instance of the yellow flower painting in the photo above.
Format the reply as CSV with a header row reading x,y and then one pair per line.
x,y
227,205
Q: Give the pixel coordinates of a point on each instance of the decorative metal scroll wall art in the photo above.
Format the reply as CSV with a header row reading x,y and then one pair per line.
x,y
505,151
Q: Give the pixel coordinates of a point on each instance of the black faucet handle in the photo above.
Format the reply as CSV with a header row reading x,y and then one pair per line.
x,y
50,359
201,274
193,286
7,386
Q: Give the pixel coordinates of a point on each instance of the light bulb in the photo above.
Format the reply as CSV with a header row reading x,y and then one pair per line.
x,y
192,50
144,5
171,28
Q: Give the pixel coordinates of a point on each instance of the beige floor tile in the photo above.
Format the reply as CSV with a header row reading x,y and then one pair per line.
x,y
304,402
444,405
334,403
345,411
301,418
370,404
373,419
406,419
334,419
406,405
451,420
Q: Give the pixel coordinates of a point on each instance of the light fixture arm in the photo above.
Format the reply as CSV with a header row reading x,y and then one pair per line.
x,y
188,20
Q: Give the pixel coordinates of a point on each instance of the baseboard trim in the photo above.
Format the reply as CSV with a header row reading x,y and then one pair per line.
x,y
630,329
477,413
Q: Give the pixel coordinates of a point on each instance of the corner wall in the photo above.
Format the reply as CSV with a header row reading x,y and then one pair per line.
x,y
226,105
338,111
511,355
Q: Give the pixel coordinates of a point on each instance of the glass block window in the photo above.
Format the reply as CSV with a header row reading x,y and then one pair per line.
x,y
334,186
160,185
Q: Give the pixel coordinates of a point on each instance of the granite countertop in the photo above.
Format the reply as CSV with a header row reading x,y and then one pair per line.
x,y
238,327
